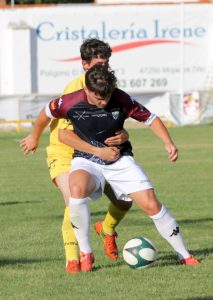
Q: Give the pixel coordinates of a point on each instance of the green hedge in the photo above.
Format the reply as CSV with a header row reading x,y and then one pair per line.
x,y
49,1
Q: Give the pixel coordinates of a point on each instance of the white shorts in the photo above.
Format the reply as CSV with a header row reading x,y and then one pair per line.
x,y
125,176
85,164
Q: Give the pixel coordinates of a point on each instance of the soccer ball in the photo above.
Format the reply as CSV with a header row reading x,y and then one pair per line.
x,y
139,253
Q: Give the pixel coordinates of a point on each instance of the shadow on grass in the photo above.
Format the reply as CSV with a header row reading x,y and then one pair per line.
x,y
22,261
18,202
202,253
198,298
167,260
143,219
93,214
97,213
171,259
110,266
195,221
103,212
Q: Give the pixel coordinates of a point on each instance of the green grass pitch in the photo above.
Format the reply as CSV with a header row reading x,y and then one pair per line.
x,y
31,211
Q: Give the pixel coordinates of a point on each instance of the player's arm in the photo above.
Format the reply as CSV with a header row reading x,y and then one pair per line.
x,y
71,139
140,113
31,142
161,131
119,138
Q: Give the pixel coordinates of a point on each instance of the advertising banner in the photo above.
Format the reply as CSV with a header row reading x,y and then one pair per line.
x,y
158,48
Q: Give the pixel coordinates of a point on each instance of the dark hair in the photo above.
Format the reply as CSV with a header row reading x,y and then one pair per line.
x,y
101,80
94,48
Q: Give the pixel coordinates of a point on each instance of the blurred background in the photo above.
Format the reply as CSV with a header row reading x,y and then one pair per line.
x,y
162,54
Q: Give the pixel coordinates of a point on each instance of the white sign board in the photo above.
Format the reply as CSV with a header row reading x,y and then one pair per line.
x,y
151,45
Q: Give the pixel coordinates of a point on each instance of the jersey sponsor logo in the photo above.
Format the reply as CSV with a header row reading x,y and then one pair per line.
x,y
52,105
80,116
99,115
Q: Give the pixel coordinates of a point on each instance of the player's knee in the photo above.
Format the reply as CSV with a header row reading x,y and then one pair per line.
x,y
154,209
151,205
77,191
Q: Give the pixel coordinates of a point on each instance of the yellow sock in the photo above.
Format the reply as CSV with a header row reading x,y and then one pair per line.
x,y
70,242
112,219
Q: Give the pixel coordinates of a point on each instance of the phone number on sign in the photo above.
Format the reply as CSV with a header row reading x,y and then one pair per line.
x,y
145,82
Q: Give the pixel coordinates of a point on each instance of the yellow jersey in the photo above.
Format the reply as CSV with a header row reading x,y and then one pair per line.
x,y
57,149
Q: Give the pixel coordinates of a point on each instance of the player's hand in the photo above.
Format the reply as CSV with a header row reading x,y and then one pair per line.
x,y
108,153
29,144
173,152
120,137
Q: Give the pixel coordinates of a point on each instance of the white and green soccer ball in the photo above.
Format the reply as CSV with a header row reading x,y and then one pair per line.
x,y
139,253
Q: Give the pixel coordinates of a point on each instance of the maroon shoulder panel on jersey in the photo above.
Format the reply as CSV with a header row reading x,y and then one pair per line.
x,y
132,108
59,107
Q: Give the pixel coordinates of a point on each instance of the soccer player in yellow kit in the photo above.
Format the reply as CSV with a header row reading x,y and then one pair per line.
x,y
58,159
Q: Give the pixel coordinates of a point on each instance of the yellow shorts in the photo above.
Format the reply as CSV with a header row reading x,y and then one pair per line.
x,y
57,166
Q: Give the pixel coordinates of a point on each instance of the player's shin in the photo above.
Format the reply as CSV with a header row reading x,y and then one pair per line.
x,y
70,242
113,218
169,230
80,220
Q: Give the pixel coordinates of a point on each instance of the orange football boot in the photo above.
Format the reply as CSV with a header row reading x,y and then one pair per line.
x,y
73,266
109,241
86,261
190,261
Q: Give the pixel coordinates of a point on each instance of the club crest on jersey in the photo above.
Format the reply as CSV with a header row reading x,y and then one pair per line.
x,y
115,114
52,105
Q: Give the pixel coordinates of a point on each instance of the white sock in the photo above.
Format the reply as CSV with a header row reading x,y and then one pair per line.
x,y
80,219
169,230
